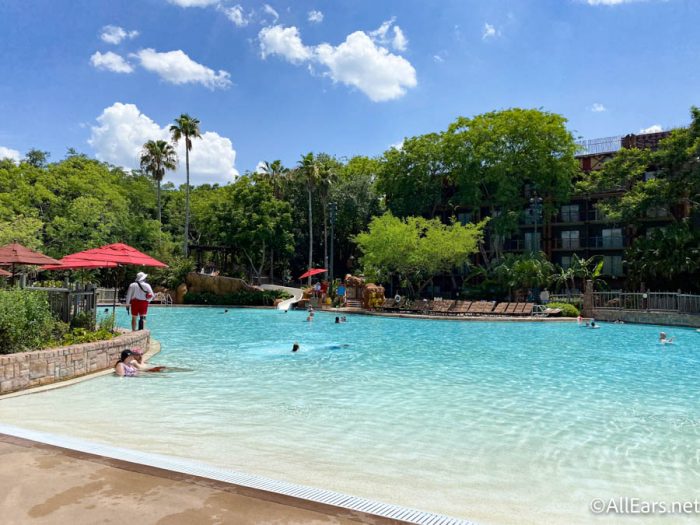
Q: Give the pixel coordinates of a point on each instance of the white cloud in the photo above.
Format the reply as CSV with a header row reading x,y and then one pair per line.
x,y
397,146
270,11
121,131
177,68
357,62
489,32
400,42
115,34
597,107
193,3
283,41
235,14
110,62
315,17
655,128
7,153
260,167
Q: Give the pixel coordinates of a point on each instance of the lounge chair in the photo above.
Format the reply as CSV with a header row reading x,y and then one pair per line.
x,y
441,307
422,307
511,308
461,307
481,307
500,308
524,309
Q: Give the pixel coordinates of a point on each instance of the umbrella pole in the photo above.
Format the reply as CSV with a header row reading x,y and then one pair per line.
x,y
114,300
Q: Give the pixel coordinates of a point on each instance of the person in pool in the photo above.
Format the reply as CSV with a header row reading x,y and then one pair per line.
x,y
126,366
295,347
665,340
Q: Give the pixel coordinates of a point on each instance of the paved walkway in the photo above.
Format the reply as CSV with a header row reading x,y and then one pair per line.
x,y
42,484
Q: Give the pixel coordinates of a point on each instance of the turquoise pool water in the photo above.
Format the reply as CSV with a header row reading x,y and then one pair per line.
x,y
496,422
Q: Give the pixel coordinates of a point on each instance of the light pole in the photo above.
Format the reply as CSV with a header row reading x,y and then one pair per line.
x,y
333,211
535,210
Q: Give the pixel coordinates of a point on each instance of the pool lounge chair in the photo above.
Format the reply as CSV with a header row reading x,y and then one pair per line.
x,y
500,308
422,307
460,307
481,307
524,309
441,307
510,309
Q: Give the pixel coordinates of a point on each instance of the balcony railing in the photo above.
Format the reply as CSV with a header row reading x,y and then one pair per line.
x,y
587,216
614,241
567,244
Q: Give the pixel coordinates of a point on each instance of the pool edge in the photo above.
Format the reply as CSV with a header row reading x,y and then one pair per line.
x,y
326,502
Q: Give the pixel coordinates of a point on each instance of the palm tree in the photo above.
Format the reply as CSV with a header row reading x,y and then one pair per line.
x,y
326,177
187,127
275,172
308,171
158,156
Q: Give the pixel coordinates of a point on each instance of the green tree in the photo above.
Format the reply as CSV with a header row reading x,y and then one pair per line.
x,y
157,157
37,158
500,158
415,249
415,179
275,172
309,173
252,221
188,128
528,271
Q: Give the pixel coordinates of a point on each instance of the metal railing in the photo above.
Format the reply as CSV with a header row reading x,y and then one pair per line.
x,y
596,146
643,301
67,303
106,295
614,241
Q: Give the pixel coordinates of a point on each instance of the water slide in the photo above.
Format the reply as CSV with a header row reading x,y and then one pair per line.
x,y
296,294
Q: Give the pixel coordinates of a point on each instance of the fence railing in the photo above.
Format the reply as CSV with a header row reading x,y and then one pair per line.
x,y
67,303
658,301
106,295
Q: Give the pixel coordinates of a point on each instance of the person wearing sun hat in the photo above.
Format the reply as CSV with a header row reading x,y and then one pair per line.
x,y
138,296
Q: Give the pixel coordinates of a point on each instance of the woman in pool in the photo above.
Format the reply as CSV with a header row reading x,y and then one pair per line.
x,y
126,366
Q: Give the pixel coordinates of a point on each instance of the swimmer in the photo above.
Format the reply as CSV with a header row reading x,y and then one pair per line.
x,y
665,340
126,367
343,319
295,347
579,319
309,318
337,320
224,312
593,325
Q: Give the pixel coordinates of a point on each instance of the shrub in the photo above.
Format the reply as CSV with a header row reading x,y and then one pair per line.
x,y
172,276
81,335
26,321
567,310
242,297
83,320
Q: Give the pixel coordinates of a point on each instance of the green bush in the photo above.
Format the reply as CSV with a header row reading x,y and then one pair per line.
x,y
243,298
83,320
26,321
567,310
81,335
174,275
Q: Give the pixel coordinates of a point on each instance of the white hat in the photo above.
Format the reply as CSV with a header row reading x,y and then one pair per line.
x,y
141,277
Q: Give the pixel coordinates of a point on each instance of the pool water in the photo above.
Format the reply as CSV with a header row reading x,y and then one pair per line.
x,y
496,422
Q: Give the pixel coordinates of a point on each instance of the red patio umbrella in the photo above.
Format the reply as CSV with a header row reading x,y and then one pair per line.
x,y
109,256
12,254
311,272
3,273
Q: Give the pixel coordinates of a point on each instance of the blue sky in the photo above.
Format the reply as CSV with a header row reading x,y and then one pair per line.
x,y
278,79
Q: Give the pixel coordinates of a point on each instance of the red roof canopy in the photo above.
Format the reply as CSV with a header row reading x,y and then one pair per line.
x,y
311,272
3,273
17,254
109,256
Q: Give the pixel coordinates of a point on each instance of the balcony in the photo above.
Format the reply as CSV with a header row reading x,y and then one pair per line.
x,y
566,244
607,242
573,217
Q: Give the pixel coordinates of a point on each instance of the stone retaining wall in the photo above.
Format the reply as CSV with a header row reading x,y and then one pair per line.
x,y
635,316
42,367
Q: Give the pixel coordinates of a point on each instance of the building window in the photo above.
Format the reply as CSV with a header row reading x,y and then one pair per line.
x,y
464,218
570,239
565,262
612,238
612,265
570,213
533,242
657,212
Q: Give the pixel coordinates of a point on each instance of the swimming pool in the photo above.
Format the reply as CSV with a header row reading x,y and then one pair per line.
x,y
496,422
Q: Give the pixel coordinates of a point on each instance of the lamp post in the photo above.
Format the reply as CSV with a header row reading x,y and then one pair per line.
x,y
332,211
535,210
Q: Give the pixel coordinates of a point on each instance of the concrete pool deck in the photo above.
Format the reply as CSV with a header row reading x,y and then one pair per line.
x,y
44,484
